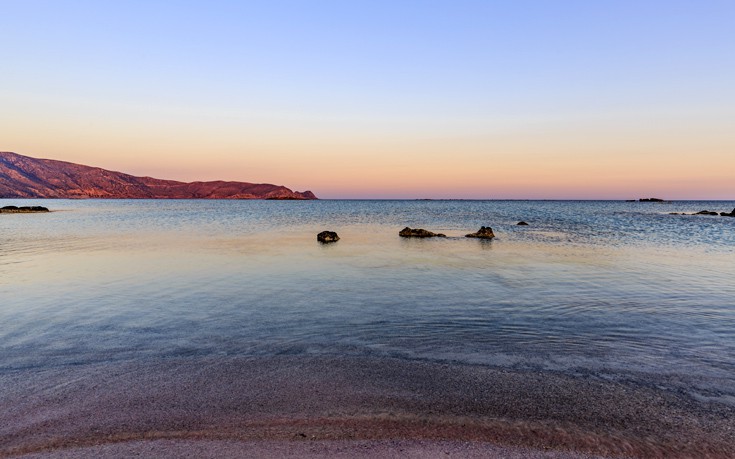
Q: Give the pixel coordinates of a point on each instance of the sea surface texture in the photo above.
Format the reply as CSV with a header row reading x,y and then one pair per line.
x,y
608,290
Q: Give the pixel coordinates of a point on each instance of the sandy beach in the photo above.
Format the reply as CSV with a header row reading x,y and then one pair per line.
x,y
287,406
341,449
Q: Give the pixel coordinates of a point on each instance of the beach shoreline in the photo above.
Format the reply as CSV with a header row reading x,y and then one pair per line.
x,y
340,449
301,402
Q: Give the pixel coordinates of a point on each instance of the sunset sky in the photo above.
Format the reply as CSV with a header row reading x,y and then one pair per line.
x,y
382,99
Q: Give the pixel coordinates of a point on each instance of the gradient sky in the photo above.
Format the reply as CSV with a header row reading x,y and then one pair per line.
x,y
382,99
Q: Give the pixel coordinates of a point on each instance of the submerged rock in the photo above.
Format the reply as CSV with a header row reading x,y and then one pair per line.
x,y
418,232
485,232
705,212
327,236
522,223
22,210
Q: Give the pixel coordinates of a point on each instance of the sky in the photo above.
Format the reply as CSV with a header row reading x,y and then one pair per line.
x,y
382,99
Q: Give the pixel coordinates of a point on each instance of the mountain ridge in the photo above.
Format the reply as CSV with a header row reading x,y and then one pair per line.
x,y
26,177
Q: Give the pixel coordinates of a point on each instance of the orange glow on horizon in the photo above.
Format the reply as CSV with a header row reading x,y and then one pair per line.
x,y
616,159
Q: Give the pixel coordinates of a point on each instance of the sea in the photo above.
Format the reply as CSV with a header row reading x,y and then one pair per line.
x,y
608,290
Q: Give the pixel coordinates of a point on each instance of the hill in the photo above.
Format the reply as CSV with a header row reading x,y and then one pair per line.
x,y
26,177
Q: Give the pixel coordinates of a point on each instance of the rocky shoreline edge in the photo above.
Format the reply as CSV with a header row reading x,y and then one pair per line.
x,y
707,212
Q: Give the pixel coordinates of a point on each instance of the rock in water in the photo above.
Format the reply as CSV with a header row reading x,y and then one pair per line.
x,y
705,212
485,232
22,210
418,232
731,214
327,236
522,224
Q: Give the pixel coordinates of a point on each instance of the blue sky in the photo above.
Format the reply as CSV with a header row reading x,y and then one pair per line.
x,y
289,80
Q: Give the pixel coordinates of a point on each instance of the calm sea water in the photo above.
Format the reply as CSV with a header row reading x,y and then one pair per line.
x,y
604,289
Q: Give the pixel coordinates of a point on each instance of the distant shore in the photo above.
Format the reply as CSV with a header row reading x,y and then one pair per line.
x,y
307,404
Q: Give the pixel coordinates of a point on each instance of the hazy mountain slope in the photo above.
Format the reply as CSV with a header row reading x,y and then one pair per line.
x,y
25,177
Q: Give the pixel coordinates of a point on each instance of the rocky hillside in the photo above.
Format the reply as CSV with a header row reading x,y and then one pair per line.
x,y
25,177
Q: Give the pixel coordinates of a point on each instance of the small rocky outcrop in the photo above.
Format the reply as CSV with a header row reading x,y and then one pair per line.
x,y
485,232
706,212
651,200
522,223
418,232
327,237
22,210
731,214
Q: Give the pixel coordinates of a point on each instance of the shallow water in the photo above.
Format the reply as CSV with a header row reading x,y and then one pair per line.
x,y
603,289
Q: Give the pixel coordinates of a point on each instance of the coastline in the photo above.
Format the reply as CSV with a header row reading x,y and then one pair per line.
x,y
306,403
340,449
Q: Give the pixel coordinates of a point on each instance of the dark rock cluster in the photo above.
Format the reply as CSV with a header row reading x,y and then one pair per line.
x,y
22,210
707,212
418,232
327,237
485,232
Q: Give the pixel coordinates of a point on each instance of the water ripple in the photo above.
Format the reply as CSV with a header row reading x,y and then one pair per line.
x,y
593,286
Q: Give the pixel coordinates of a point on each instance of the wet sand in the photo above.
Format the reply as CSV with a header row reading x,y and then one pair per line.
x,y
354,449
301,406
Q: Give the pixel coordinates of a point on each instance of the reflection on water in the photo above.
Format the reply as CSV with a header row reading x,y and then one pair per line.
x,y
588,287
